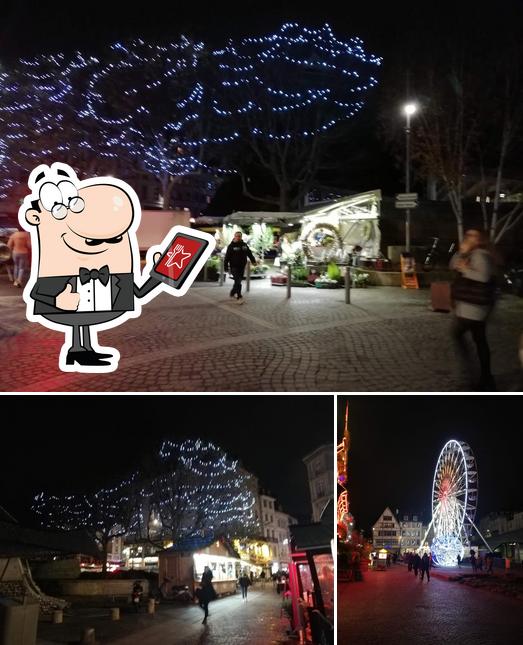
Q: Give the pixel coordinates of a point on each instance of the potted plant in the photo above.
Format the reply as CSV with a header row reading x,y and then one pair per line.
x,y
259,271
211,271
299,276
360,280
331,279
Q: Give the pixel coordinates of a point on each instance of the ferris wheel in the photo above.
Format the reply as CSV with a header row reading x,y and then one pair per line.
x,y
454,501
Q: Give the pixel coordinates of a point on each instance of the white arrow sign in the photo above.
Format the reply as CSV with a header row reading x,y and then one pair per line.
x,y
406,204
407,197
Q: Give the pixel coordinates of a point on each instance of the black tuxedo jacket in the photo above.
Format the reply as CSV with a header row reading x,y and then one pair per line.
x,y
123,291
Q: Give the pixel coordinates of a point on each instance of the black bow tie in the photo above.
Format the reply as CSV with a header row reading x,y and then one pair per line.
x,y
94,274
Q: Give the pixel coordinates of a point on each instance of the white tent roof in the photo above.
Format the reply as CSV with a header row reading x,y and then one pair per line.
x,y
268,217
353,207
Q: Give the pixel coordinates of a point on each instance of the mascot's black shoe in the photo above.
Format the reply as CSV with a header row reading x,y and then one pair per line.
x,y
86,358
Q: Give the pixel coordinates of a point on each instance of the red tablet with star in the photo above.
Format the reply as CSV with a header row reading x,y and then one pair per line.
x,y
177,262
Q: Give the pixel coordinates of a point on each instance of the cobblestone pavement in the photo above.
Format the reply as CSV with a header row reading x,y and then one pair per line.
x,y
386,340
231,622
394,607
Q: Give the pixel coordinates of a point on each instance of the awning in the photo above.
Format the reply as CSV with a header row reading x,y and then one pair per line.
x,y
247,218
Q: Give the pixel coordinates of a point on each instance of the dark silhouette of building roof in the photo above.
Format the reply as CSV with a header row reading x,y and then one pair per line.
x,y
18,541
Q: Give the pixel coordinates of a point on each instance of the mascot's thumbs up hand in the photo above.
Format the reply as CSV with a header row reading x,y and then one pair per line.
x,y
68,300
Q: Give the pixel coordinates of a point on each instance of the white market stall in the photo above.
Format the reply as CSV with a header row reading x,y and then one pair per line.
x,y
329,231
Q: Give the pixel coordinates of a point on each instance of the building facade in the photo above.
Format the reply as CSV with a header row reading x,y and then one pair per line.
x,y
275,526
500,523
320,467
412,532
192,191
386,532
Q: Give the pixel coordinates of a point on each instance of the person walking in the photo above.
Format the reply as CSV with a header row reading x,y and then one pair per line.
x,y
473,294
489,561
244,582
480,562
206,592
416,563
236,259
473,561
459,561
425,567
137,594
409,561
20,245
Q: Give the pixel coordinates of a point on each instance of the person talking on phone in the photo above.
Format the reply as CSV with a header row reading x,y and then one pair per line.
x,y
236,258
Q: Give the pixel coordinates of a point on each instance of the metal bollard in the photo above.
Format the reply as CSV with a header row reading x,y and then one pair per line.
x,y
115,613
289,280
347,285
248,282
88,637
58,617
221,272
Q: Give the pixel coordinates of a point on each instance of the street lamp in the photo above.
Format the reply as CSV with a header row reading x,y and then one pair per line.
x,y
409,109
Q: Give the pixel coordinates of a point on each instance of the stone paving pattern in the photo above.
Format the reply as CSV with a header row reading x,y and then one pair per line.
x,y
386,340
231,622
393,606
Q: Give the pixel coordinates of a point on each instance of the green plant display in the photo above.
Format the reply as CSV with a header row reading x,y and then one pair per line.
x,y
262,238
259,269
333,272
299,273
360,279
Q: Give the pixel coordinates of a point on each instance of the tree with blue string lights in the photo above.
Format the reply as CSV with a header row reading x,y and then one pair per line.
x,y
288,95
105,514
267,105
196,488
191,488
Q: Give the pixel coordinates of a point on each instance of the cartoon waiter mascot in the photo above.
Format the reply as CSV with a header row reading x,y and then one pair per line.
x,y
85,272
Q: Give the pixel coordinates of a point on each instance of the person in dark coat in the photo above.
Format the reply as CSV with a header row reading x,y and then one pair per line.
x,y
244,583
416,563
236,258
409,558
206,592
425,567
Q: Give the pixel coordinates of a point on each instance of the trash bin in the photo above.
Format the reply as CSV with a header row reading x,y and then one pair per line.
x,y
440,297
18,622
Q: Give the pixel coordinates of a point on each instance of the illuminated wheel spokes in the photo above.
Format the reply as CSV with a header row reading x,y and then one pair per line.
x,y
454,499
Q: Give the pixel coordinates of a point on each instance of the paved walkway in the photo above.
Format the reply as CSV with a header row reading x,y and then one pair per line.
x,y
231,622
393,606
386,340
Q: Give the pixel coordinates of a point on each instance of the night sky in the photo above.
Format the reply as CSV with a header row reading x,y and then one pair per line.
x,y
396,441
32,27
403,33
269,434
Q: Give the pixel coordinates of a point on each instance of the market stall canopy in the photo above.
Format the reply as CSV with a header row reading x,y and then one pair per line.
x,y
355,207
247,218
361,206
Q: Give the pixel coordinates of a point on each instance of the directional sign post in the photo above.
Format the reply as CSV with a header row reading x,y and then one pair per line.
x,y
407,201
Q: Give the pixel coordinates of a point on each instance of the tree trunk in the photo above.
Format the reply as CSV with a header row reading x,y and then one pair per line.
x,y
284,199
105,544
